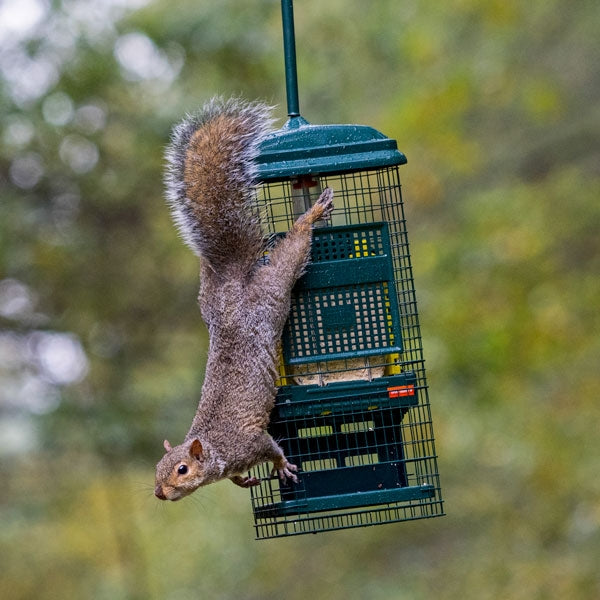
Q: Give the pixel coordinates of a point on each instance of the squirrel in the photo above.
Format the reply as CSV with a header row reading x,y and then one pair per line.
x,y
244,300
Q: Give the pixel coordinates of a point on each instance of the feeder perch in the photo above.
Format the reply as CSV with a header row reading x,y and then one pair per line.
x,y
352,409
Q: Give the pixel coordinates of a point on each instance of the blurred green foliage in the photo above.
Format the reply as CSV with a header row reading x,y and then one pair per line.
x,y
102,347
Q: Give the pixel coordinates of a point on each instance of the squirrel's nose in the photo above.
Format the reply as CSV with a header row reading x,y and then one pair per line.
x,y
159,493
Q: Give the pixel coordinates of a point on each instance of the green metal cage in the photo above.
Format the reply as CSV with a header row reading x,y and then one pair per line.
x,y
352,409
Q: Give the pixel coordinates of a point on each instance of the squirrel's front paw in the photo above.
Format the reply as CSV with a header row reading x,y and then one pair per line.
x,y
245,482
284,470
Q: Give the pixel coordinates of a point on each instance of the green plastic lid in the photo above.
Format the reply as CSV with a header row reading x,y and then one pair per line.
x,y
299,148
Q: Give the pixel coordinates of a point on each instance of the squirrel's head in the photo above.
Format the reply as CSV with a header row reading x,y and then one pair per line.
x,y
180,471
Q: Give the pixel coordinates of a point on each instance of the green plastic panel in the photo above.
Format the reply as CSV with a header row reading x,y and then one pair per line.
x,y
341,501
300,148
294,401
345,306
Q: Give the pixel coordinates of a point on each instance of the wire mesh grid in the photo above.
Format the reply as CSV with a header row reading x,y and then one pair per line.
x,y
359,426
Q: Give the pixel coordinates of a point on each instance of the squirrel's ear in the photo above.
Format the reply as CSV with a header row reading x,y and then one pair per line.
x,y
167,446
196,448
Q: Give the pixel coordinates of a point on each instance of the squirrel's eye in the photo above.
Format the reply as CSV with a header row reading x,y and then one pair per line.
x,y
182,470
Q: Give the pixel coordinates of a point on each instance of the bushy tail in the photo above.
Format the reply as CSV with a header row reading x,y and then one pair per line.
x,y
210,180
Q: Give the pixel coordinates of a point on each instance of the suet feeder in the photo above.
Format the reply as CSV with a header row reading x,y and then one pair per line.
x,y
352,409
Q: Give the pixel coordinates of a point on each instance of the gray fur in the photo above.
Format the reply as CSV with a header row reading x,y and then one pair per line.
x,y
210,179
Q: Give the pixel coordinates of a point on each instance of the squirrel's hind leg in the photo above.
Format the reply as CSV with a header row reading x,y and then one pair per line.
x,y
290,256
319,211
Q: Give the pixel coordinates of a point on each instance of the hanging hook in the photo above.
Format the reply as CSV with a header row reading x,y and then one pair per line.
x,y
289,51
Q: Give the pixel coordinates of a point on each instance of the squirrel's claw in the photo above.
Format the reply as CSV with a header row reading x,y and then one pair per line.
x,y
285,472
326,202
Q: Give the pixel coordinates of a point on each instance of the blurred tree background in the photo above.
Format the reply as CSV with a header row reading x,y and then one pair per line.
x,y
101,343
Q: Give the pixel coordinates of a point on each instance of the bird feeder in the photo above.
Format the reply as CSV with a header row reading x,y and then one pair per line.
x,y
352,408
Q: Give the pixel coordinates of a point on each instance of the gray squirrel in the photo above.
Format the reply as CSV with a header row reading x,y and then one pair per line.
x,y
211,181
